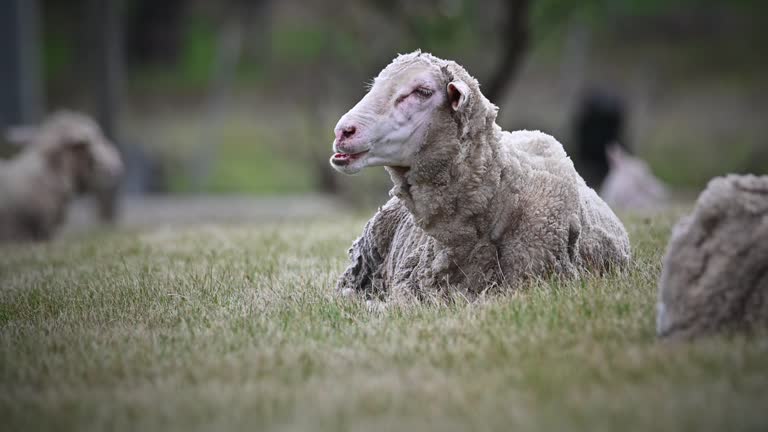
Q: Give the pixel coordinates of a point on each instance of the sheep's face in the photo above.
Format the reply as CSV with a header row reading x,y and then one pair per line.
x,y
390,124
74,145
97,164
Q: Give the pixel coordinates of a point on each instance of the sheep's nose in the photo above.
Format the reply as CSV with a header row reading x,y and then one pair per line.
x,y
346,132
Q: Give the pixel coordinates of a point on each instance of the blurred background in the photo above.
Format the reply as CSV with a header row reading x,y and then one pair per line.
x,y
238,99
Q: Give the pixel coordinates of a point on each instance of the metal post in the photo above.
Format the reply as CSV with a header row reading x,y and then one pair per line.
x,y
108,63
21,96
107,72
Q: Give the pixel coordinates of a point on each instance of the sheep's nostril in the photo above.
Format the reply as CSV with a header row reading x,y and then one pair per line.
x,y
348,131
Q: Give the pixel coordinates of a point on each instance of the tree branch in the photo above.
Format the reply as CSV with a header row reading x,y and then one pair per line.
x,y
514,43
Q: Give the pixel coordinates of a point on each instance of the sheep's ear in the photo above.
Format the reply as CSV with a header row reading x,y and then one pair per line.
x,y
458,94
20,135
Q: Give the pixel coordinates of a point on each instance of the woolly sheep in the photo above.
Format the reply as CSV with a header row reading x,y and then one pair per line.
x,y
630,184
715,274
66,154
472,206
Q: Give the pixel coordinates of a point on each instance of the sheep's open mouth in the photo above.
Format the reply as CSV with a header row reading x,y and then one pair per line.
x,y
342,159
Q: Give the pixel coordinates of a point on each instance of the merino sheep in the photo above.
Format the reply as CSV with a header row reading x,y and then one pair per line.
x,y
630,184
715,275
472,206
66,154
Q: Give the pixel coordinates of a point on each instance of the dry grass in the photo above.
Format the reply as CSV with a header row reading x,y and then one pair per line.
x,y
215,328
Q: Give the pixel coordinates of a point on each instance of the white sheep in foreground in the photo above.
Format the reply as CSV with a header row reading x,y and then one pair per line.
x,y
715,275
472,206
66,154
630,184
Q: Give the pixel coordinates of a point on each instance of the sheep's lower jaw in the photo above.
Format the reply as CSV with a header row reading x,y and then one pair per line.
x,y
343,159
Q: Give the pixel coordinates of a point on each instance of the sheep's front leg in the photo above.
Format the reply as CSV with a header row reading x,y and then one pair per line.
x,y
365,260
366,273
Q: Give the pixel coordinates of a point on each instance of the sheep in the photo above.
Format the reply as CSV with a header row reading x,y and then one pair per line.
x,y
630,185
472,207
65,155
715,269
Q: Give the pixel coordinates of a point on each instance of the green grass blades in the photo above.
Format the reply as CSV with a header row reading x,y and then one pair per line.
x,y
215,328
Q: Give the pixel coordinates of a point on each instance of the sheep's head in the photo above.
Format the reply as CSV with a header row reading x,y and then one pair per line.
x,y
74,145
411,98
634,174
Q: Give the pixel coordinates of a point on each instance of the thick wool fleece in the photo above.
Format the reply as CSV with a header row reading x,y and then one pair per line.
x,y
481,207
715,275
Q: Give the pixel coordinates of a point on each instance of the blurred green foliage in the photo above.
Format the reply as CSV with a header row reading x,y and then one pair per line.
x,y
254,159
247,162
548,15
57,55
685,157
249,157
198,51
294,43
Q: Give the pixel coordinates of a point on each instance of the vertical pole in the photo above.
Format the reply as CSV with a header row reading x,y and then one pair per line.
x,y
21,95
107,66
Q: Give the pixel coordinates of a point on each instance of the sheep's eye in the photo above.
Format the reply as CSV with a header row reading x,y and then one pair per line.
x,y
423,92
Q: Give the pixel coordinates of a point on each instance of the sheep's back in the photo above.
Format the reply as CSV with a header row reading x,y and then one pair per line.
x,y
534,143
602,239
715,272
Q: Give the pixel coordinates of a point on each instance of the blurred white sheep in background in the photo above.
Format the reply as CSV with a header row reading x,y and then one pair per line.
x,y
630,185
65,155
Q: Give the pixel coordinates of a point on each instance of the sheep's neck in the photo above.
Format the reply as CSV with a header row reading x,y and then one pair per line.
x,y
449,189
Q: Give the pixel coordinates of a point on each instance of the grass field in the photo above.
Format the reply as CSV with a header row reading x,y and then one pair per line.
x,y
212,328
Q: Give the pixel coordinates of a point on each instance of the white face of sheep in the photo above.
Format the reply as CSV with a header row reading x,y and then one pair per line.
x,y
105,167
389,125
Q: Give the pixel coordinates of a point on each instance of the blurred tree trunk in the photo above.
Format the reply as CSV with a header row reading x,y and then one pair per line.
x,y
155,30
515,35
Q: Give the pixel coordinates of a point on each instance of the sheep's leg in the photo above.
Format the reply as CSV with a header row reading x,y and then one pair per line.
x,y
33,226
360,274
368,253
